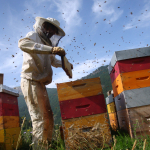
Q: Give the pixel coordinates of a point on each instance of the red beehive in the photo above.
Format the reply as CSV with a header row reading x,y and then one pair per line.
x,y
129,65
9,117
81,98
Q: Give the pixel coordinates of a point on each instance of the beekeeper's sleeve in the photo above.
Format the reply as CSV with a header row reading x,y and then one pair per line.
x,y
30,44
55,62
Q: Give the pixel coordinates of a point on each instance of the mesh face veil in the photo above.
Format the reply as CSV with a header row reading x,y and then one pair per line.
x,y
54,38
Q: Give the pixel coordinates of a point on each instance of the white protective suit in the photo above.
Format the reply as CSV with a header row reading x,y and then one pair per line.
x,y
36,73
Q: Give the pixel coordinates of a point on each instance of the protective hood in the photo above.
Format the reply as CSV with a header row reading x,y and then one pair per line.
x,y
55,38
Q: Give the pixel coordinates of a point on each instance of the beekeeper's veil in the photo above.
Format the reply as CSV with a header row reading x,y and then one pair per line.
x,y
55,38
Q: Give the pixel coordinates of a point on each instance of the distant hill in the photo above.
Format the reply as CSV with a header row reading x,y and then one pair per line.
x,y
101,72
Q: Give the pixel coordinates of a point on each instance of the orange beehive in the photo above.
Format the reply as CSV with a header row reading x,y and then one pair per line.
x,y
131,80
113,121
79,89
136,121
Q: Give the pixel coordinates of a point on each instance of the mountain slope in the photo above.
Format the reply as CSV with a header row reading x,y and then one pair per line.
x,y
101,72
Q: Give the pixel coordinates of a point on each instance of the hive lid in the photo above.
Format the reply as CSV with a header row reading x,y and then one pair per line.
x,y
128,54
8,90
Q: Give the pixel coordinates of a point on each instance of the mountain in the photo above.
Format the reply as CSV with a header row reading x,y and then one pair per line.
x,y
101,72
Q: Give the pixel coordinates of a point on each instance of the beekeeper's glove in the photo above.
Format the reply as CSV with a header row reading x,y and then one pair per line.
x,y
59,51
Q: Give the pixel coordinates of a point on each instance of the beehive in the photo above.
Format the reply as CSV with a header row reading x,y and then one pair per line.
x,y
130,77
111,109
130,69
128,54
133,98
9,117
136,121
83,108
131,80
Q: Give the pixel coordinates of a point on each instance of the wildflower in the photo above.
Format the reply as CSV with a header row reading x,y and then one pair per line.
x,y
24,132
30,132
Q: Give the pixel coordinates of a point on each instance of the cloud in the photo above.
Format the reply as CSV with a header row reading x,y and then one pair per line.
x,y
9,65
107,10
141,19
69,11
82,69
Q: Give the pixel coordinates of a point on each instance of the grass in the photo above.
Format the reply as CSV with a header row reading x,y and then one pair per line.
x,y
121,141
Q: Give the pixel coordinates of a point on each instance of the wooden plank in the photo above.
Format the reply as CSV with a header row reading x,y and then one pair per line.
x,y
111,108
113,121
9,122
131,80
79,89
130,65
136,121
1,78
83,106
7,98
9,110
140,120
133,98
9,137
123,120
85,124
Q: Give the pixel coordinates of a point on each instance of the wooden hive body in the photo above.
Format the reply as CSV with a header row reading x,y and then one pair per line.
x,y
130,65
131,80
136,121
9,117
82,106
111,109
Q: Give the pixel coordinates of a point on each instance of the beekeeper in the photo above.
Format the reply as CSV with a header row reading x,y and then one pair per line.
x,y
39,49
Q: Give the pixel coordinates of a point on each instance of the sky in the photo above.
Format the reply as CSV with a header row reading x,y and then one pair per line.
x,y
94,29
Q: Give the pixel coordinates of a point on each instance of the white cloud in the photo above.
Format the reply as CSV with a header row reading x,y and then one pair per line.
x,y
107,10
141,19
8,64
69,12
79,71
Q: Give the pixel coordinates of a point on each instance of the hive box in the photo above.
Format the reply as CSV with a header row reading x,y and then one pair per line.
x,y
81,98
128,54
131,80
9,137
130,65
111,108
9,122
133,98
113,121
86,125
136,121
79,89
83,106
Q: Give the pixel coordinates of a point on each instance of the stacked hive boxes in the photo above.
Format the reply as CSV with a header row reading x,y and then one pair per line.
x,y
111,108
84,114
9,118
130,76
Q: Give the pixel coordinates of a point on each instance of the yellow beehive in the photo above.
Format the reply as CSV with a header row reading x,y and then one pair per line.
x,y
9,137
111,108
86,132
9,122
